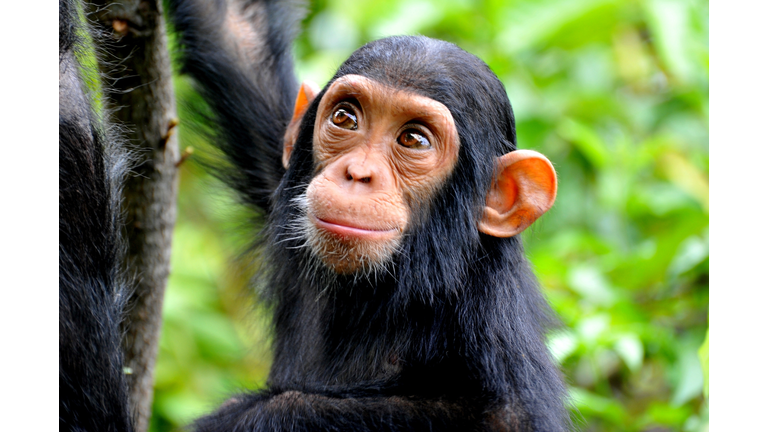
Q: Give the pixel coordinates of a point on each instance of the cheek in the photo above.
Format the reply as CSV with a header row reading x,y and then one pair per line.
x,y
335,142
421,178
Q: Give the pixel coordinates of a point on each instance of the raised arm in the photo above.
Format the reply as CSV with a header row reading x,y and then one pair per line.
x,y
239,55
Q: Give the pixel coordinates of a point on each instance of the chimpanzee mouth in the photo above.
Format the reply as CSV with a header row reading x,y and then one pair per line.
x,y
347,230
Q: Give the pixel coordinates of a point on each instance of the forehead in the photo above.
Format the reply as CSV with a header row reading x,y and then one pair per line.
x,y
375,94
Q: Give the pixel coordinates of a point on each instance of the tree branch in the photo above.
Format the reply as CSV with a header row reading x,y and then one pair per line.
x,y
134,56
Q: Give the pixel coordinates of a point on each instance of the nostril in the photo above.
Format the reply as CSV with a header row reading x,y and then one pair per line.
x,y
356,174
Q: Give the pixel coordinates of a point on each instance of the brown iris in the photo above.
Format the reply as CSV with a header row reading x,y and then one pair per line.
x,y
344,118
413,139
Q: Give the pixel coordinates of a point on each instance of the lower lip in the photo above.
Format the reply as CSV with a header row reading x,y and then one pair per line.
x,y
348,231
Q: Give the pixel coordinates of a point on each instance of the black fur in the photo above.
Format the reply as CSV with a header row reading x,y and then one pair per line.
x,y
92,391
250,91
449,337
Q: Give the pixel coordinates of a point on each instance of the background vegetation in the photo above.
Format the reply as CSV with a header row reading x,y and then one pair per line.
x,y
616,94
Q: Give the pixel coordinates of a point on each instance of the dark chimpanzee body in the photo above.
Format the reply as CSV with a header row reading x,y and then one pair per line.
x,y
447,334
92,391
402,298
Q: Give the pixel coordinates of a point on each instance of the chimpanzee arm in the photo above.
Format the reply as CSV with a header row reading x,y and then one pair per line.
x,y
239,54
298,411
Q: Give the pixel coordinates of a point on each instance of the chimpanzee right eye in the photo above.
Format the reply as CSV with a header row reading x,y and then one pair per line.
x,y
344,118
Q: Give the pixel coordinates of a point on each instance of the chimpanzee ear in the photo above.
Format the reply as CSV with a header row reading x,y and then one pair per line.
x,y
524,188
307,93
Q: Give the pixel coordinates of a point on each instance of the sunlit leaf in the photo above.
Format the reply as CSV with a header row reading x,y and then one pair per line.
x,y
331,30
670,24
593,327
411,18
630,349
692,251
686,176
532,23
690,381
592,285
562,345
704,359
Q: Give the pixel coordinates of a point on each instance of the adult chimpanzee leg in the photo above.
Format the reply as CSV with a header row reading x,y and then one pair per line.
x,y
92,391
402,297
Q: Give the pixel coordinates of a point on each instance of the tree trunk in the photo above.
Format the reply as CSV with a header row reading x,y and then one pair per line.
x,y
134,60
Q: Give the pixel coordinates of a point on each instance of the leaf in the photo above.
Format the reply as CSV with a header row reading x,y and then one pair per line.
x,y
586,141
592,285
562,345
412,18
533,23
704,359
590,329
670,25
681,172
689,376
630,349
345,34
591,403
691,252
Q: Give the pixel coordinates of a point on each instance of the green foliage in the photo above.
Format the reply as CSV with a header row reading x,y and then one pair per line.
x,y
616,94
704,359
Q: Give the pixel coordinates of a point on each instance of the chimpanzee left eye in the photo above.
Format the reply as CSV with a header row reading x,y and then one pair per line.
x,y
413,139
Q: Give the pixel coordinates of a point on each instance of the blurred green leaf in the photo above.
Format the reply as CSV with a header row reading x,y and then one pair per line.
x,y
532,23
704,359
410,18
562,345
586,141
589,403
683,174
660,413
591,329
691,252
630,349
670,24
592,285
689,375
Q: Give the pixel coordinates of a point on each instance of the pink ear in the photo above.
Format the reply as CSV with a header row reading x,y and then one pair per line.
x,y
306,95
524,189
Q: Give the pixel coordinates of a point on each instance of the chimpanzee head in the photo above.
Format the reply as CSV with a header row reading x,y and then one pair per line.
x,y
408,154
